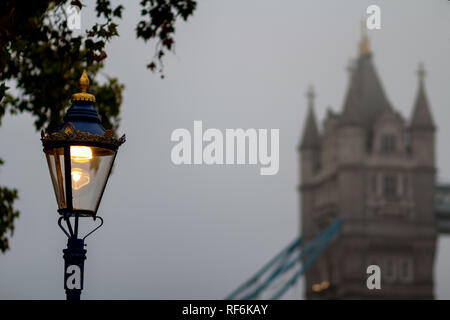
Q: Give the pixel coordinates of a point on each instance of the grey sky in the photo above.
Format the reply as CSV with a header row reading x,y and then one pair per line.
x,y
199,231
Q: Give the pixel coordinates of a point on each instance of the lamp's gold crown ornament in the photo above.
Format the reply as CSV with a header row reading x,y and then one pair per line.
x,y
84,85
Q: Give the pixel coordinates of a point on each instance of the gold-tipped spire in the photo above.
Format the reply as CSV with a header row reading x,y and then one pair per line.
x,y
364,44
84,85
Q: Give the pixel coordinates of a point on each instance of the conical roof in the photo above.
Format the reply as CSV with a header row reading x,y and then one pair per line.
x,y
365,98
310,138
422,118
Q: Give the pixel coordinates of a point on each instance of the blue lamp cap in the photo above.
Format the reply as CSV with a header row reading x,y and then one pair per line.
x,y
84,118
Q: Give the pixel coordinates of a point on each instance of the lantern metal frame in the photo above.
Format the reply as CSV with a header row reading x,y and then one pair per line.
x,y
67,137
81,127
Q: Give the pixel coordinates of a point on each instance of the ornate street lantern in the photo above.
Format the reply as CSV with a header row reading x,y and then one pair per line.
x,y
80,155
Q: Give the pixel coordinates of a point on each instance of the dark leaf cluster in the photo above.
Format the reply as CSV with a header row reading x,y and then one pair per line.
x,y
41,60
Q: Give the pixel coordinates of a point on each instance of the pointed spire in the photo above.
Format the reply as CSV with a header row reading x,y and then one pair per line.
x,y
310,95
364,44
365,98
422,118
421,73
310,137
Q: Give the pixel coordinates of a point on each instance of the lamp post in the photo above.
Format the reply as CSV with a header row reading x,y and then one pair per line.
x,y
80,154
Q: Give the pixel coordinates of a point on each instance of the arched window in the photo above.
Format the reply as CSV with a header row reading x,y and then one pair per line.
x,y
406,269
389,186
390,270
388,144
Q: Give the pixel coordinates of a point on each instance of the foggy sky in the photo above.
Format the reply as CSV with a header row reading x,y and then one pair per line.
x,y
197,232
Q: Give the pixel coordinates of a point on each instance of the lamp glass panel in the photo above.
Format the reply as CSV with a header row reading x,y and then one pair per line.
x,y
55,161
90,168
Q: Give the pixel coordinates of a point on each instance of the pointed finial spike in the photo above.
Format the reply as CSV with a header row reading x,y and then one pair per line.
x,y
364,44
421,71
310,95
363,29
84,82
310,136
83,95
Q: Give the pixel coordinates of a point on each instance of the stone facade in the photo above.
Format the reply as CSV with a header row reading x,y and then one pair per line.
x,y
377,172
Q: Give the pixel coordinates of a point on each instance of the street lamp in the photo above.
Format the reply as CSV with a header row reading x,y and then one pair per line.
x,y
80,155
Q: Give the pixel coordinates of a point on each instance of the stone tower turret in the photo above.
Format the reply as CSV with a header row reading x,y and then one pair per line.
x,y
377,173
422,128
310,162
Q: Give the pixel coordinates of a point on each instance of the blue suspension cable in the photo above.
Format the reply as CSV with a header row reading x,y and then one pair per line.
x,y
334,229
321,238
284,253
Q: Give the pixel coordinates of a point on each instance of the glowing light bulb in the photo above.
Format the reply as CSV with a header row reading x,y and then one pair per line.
x,y
76,176
80,154
80,178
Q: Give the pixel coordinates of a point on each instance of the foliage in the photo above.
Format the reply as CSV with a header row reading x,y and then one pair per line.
x,y
42,58
7,215
161,24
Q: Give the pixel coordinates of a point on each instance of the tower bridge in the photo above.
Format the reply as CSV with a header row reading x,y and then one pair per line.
x,y
368,193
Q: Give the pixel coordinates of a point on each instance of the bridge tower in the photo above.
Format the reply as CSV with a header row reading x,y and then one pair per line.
x,y
375,170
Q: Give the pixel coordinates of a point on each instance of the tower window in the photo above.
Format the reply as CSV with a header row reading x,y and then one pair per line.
x,y
373,183
406,269
405,186
390,186
388,144
390,274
